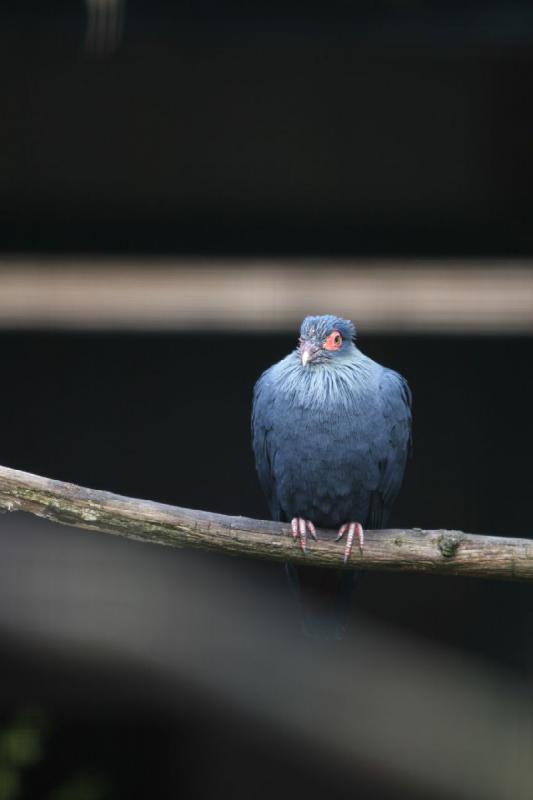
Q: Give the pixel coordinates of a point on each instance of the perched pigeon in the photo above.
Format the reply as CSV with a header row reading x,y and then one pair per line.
x,y
331,435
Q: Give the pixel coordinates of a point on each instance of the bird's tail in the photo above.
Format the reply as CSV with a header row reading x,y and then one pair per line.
x,y
324,598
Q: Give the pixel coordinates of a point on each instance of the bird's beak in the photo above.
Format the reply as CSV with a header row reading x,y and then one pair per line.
x,y
308,352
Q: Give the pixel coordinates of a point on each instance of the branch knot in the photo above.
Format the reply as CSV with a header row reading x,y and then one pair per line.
x,y
449,543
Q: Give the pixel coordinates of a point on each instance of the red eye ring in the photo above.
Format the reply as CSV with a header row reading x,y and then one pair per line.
x,y
334,341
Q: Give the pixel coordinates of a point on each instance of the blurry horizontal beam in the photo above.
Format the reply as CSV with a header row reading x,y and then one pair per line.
x,y
411,296
430,551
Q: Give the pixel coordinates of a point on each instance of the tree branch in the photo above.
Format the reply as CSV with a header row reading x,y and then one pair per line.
x,y
430,551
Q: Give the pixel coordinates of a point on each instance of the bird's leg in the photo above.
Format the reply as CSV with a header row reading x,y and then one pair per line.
x,y
300,527
352,528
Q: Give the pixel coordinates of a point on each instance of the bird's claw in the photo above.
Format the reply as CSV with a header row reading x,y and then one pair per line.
x,y
300,527
352,528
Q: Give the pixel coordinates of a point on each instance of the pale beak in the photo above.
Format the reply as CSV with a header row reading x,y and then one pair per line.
x,y
308,352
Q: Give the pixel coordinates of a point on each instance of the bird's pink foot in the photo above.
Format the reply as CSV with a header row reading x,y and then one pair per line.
x,y
352,528
300,527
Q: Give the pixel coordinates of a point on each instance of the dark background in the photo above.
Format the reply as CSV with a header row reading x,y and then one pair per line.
x,y
341,127
355,129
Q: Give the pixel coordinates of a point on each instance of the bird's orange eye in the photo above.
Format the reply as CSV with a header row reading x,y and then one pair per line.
x,y
334,341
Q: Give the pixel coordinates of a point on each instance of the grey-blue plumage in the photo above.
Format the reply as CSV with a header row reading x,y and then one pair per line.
x,y
331,430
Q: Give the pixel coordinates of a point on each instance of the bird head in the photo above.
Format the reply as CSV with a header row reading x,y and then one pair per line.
x,y
325,340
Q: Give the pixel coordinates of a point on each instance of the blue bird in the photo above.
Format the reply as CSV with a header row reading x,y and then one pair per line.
x,y
331,432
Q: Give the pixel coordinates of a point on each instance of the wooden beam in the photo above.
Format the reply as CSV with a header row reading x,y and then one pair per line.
x,y
411,296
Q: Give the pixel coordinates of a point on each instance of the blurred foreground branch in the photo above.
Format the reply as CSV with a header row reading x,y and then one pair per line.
x,y
431,551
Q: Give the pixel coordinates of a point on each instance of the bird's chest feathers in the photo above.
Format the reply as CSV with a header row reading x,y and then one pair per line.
x,y
322,394
323,423
322,414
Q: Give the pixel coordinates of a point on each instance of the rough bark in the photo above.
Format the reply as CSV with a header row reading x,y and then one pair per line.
x,y
416,550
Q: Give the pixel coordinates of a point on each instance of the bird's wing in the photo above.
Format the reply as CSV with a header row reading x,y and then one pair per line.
x,y
262,436
393,445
